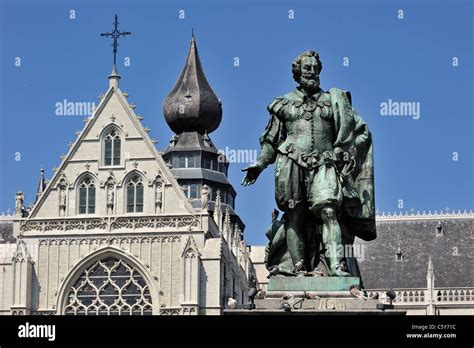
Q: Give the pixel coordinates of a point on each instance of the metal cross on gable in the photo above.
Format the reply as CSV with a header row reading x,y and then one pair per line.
x,y
116,34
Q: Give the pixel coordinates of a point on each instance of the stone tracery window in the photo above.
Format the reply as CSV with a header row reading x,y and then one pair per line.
x,y
135,195
109,287
87,196
112,148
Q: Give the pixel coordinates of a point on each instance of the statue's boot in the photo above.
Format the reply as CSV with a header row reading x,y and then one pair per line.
x,y
338,268
299,269
340,273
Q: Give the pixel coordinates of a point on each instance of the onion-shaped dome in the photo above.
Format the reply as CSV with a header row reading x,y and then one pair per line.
x,y
192,105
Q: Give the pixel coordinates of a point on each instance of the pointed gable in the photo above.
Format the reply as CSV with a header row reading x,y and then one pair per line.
x,y
85,159
190,248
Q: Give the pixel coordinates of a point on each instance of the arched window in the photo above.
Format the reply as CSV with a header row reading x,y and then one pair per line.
x,y
112,148
135,195
87,196
109,287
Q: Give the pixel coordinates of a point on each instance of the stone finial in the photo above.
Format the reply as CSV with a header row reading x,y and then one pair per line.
x,y
430,266
227,230
41,184
236,238
218,210
114,78
430,277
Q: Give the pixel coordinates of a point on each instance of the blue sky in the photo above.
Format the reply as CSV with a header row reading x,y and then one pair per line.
x,y
405,60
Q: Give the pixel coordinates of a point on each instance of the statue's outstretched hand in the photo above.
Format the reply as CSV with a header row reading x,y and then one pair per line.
x,y
253,172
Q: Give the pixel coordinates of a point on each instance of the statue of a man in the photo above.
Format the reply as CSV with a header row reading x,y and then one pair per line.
x,y
322,151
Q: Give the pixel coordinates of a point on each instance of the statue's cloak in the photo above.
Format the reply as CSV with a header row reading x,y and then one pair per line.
x,y
358,212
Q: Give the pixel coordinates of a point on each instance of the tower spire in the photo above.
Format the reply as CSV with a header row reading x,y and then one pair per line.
x,y
41,184
192,105
114,78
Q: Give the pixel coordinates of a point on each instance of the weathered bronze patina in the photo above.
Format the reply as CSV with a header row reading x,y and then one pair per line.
x,y
324,177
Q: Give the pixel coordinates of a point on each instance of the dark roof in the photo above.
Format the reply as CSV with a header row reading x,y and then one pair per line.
x,y
190,141
200,173
192,105
6,232
452,252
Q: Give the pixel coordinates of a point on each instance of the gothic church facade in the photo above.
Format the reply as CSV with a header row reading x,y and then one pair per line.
x,y
119,231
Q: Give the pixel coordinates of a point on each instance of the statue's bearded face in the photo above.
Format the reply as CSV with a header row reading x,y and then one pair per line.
x,y
309,77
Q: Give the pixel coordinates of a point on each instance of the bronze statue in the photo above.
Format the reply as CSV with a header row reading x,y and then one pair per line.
x,y
322,150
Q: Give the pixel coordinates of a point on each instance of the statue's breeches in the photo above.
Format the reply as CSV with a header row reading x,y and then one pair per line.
x,y
312,187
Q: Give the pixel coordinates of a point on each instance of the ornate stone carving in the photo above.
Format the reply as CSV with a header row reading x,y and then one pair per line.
x,y
170,311
204,197
64,225
187,221
158,195
19,198
110,199
129,290
144,222
131,223
21,252
108,241
44,312
62,201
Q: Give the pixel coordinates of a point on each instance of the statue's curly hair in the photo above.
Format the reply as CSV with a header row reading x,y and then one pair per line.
x,y
296,66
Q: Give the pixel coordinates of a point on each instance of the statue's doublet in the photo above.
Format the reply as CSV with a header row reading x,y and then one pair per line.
x,y
305,125
300,139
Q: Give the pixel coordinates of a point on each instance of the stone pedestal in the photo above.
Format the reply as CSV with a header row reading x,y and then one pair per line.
x,y
313,296
312,283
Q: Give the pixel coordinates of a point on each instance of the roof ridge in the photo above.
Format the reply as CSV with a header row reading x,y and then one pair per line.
x,y
446,213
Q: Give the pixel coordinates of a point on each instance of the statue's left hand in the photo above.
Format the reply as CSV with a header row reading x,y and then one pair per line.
x,y
361,139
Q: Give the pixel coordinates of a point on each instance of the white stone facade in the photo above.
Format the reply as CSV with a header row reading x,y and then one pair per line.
x,y
175,257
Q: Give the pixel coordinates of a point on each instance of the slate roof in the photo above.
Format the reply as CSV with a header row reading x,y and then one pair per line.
x,y
6,232
200,173
191,141
452,252
192,105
